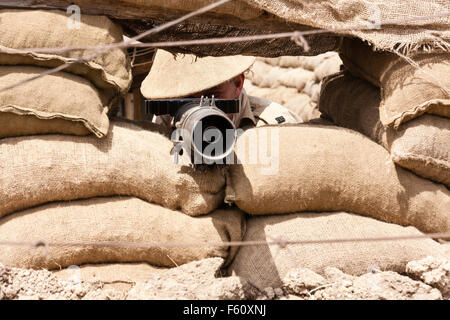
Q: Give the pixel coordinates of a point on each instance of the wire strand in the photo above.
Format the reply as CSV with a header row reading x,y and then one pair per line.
x,y
130,43
103,49
276,242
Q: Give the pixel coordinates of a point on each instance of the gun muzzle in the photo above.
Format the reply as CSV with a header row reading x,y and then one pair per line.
x,y
203,129
206,133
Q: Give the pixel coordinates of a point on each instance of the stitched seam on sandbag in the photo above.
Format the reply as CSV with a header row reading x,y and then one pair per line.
x,y
46,116
104,75
405,116
414,157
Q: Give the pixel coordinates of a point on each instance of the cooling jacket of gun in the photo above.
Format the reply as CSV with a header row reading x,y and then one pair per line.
x,y
202,130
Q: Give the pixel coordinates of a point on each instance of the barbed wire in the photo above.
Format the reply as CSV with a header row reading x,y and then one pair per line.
x,y
276,242
105,48
296,36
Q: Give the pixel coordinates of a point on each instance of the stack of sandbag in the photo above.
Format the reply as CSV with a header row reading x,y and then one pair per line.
x,y
74,101
321,168
382,183
317,181
133,230
404,106
70,176
293,81
130,161
268,265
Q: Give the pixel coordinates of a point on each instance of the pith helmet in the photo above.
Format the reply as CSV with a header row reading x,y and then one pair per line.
x,y
184,75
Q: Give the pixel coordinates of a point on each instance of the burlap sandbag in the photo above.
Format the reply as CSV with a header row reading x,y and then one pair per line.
x,y
421,145
13,125
25,29
296,78
128,220
279,95
328,67
312,89
312,63
405,26
258,72
57,103
406,91
303,106
128,161
363,61
272,61
238,9
291,61
271,79
266,266
328,168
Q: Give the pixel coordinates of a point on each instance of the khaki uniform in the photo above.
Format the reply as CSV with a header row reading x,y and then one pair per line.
x,y
254,111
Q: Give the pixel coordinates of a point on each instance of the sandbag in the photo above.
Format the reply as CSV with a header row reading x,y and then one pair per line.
x,y
328,67
128,220
128,161
295,78
271,61
266,266
271,79
363,61
303,106
238,9
312,63
310,112
258,72
404,23
327,168
312,89
268,112
57,103
406,91
299,103
279,95
13,125
291,61
25,29
424,148
253,90
421,145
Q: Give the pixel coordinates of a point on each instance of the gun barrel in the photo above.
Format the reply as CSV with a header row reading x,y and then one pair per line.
x,y
208,134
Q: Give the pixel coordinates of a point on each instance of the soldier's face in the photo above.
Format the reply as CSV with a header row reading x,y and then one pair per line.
x,y
228,90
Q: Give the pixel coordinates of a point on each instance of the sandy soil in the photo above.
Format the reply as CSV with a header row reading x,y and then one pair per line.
x,y
427,279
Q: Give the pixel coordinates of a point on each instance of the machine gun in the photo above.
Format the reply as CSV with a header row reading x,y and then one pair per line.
x,y
202,128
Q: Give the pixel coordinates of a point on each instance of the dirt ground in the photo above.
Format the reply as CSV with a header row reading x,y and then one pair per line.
x,y
427,279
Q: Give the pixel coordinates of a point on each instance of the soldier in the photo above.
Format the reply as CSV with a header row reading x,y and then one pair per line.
x,y
187,76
